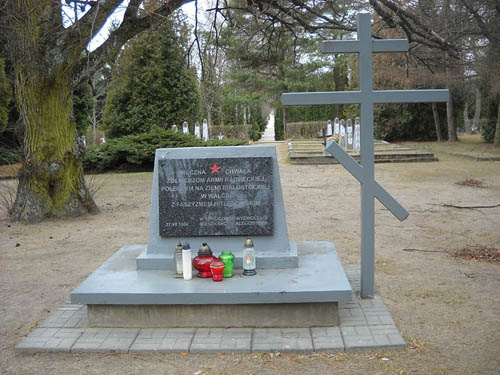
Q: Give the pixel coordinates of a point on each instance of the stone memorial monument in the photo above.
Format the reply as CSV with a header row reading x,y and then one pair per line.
x,y
220,196
185,128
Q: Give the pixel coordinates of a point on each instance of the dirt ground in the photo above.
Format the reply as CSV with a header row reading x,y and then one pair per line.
x,y
448,309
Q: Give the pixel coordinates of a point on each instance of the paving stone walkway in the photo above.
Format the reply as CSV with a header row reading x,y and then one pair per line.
x,y
364,325
268,135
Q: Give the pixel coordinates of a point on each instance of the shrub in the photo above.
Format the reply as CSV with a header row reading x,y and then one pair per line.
x,y
394,122
138,151
255,132
488,130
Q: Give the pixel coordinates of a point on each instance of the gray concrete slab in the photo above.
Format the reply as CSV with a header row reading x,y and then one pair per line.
x,y
319,278
356,332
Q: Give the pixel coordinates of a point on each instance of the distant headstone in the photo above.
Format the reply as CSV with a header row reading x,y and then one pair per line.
x,y
197,130
342,134
218,195
357,135
349,128
206,136
174,128
329,130
185,128
220,136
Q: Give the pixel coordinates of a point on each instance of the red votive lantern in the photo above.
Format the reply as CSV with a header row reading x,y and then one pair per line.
x,y
202,261
217,268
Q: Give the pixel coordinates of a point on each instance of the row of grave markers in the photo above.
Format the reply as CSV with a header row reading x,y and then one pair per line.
x,y
199,132
347,136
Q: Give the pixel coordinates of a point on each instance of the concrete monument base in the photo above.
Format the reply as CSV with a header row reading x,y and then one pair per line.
x,y
117,294
271,315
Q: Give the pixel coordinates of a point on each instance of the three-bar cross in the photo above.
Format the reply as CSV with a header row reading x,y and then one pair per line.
x,y
366,97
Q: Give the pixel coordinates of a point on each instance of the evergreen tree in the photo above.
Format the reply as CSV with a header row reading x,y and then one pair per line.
x,y
151,85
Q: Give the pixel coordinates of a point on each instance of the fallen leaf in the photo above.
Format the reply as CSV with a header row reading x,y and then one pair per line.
x,y
197,372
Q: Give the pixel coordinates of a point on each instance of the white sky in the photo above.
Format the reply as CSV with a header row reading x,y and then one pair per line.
x,y
188,8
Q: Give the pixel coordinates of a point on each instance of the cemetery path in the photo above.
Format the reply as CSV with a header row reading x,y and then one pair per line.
x,y
447,308
268,135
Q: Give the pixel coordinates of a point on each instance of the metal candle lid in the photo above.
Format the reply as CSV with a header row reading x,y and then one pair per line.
x,y
178,248
248,242
186,246
205,249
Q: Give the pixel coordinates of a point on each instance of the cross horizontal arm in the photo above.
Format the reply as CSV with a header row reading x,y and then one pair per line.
x,y
352,46
410,96
390,45
311,98
339,46
346,160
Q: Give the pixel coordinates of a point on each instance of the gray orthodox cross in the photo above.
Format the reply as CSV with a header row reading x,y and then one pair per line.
x,y
366,97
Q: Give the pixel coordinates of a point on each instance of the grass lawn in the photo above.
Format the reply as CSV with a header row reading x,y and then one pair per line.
x,y
470,145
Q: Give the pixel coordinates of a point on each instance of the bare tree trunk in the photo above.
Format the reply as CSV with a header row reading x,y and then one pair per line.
x,y
467,124
496,141
452,130
477,112
437,124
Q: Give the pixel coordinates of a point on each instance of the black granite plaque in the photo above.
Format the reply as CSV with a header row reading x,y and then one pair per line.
x,y
215,197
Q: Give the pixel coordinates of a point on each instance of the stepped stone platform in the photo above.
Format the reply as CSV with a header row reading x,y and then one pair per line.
x,y
313,152
117,294
364,325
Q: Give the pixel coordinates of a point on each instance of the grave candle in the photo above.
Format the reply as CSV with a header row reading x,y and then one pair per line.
x,y
249,258
178,259
174,128
202,261
187,267
217,268
185,128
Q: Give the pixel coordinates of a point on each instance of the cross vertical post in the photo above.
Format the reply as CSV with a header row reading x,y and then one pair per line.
x,y
367,157
366,97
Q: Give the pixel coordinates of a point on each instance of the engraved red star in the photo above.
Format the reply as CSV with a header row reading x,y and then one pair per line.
x,y
215,168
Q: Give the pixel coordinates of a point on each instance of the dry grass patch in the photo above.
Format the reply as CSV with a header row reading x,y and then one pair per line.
x,y
479,254
471,182
448,297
